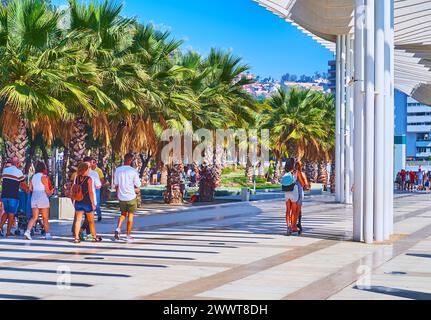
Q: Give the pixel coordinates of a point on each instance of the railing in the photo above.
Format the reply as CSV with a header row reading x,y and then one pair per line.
x,y
418,163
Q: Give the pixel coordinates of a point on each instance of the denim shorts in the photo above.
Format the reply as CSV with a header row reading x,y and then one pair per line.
x,y
10,205
83,207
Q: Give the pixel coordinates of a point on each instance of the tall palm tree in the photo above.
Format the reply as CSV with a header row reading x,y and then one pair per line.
x,y
295,118
110,36
224,104
39,77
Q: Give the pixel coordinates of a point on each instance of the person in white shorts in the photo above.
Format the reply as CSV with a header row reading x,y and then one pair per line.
x,y
41,189
292,198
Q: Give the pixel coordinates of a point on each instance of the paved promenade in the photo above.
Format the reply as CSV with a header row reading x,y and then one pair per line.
x,y
236,251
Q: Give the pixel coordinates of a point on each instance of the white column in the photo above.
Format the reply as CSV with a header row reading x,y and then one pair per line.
x,y
379,121
392,103
338,122
343,120
369,124
349,121
388,115
358,132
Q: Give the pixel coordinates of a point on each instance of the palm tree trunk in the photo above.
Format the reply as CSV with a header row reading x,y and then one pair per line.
x,y
17,147
276,177
249,172
311,171
102,158
218,159
45,155
145,160
77,144
332,178
30,157
322,174
64,167
262,170
112,168
173,193
209,176
164,175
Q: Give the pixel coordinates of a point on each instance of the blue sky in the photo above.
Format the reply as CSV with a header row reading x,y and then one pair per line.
x,y
270,45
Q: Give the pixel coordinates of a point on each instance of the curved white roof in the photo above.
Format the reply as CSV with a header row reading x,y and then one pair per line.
x,y
323,20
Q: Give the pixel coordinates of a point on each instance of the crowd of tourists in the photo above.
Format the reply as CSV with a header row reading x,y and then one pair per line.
x,y
413,180
29,196
20,193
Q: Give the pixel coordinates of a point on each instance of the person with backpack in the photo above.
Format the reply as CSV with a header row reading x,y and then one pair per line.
x,y
292,196
41,189
84,201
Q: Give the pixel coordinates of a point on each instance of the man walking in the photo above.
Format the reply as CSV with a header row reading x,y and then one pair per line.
x,y
127,184
12,177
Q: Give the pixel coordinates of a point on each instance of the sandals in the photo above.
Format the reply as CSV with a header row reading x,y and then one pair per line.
x,y
76,241
97,239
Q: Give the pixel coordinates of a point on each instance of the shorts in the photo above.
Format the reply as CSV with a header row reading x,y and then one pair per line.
x,y
129,206
83,207
10,205
39,200
293,195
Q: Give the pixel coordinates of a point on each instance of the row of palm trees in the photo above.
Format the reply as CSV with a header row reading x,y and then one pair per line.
x,y
90,79
302,124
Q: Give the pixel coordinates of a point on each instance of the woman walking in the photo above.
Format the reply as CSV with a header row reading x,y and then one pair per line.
x,y
41,189
290,186
82,192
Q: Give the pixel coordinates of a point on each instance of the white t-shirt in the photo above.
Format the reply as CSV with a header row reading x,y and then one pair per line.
x,y
126,179
97,184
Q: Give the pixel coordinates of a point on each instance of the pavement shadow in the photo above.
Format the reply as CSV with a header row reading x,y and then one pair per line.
x,y
402,293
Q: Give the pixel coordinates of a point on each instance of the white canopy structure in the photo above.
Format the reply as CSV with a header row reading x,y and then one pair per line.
x,y
380,45
323,20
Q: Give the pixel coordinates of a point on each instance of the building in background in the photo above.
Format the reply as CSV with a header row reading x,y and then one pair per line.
x,y
400,147
332,75
418,131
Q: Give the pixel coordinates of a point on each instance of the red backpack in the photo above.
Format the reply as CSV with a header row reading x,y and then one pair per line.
x,y
76,192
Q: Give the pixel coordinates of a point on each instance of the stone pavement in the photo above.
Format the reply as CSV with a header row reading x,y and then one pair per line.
x,y
235,251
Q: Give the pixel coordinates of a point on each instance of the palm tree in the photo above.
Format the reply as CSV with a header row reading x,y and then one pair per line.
x,y
113,91
39,77
217,82
295,118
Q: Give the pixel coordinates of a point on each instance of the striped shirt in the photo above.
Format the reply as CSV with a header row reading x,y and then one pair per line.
x,y
11,179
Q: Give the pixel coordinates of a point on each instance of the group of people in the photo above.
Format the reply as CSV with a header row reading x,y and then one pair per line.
x,y
83,189
40,188
85,185
413,180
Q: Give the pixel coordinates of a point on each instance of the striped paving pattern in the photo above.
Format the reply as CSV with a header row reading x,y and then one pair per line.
x,y
244,256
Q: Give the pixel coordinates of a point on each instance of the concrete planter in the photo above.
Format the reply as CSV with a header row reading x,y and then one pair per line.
x,y
61,208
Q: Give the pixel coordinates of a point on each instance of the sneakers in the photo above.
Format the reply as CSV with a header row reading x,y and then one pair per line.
x,y
27,235
130,240
88,237
117,235
48,236
99,218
